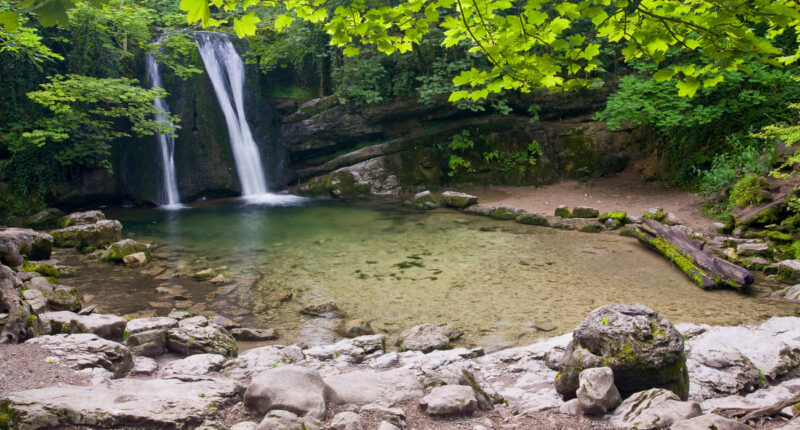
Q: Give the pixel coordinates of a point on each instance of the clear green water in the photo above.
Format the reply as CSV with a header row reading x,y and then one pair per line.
x,y
500,282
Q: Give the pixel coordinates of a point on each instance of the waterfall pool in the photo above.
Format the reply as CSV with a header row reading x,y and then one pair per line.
x,y
500,282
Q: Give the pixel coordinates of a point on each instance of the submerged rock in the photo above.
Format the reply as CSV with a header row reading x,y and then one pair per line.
x,y
424,200
457,200
254,334
322,309
204,275
354,328
643,349
653,409
123,403
450,400
135,260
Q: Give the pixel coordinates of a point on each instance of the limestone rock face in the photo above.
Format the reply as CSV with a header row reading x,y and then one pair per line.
x,y
450,400
597,393
642,349
88,236
16,242
85,350
63,298
291,388
124,403
200,364
258,360
198,336
424,337
653,409
361,387
347,421
105,326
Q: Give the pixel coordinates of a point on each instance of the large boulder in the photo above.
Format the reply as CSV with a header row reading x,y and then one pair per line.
x,y
81,218
122,403
63,298
18,242
642,349
86,350
653,409
597,393
199,336
103,325
450,400
291,388
88,237
425,338
120,249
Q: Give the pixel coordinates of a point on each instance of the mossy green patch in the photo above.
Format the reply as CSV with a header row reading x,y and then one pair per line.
x,y
615,215
563,212
9,418
532,219
42,268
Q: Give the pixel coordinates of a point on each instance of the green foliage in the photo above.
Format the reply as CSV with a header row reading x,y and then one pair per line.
x,y
465,151
747,190
178,52
745,157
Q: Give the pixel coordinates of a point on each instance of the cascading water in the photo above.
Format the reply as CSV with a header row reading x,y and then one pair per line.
x,y
170,197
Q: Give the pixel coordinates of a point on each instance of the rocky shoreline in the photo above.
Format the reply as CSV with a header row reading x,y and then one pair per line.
x,y
185,371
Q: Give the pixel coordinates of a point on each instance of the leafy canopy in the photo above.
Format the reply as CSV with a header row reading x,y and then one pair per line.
x,y
533,44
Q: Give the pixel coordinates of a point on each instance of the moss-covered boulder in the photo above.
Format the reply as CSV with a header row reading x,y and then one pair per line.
x,y
340,184
563,212
81,218
585,212
118,250
424,200
654,213
49,268
88,237
505,213
620,217
63,298
642,348
532,219
789,271
457,200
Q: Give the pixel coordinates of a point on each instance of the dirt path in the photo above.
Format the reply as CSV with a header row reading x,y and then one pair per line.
x,y
624,192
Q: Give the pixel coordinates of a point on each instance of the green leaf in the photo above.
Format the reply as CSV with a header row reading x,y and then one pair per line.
x,y
10,21
663,75
246,25
196,10
283,21
712,81
351,51
688,86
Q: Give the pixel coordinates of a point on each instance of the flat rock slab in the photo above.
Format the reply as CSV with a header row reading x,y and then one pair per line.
x,y
85,350
148,403
365,386
450,400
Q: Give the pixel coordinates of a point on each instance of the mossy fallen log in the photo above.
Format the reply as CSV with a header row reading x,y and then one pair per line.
x,y
703,268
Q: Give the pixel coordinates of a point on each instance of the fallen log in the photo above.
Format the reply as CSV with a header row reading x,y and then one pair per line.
x,y
16,329
703,268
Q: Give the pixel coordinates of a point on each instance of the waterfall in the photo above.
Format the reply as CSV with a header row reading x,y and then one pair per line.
x,y
226,71
170,198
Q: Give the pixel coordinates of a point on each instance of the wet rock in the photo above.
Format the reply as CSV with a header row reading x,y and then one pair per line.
x,y
220,280
563,212
346,421
789,271
196,336
204,275
597,393
361,387
63,298
254,334
199,364
81,351
585,212
105,326
424,200
121,403
457,200
280,296
643,349
505,213
354,328
135,260
424,337
709,422
291,388
35,300
81,218
88,237
224,322
653,409
258,360
16,242
322,309
532,219
791,294
450,400
118,250
479,209
143,366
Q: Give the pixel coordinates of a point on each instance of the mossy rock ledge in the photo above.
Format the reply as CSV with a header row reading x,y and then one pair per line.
x,y
642,348
118,250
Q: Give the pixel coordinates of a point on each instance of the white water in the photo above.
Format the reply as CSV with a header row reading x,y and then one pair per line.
x,y
170,197
226,71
